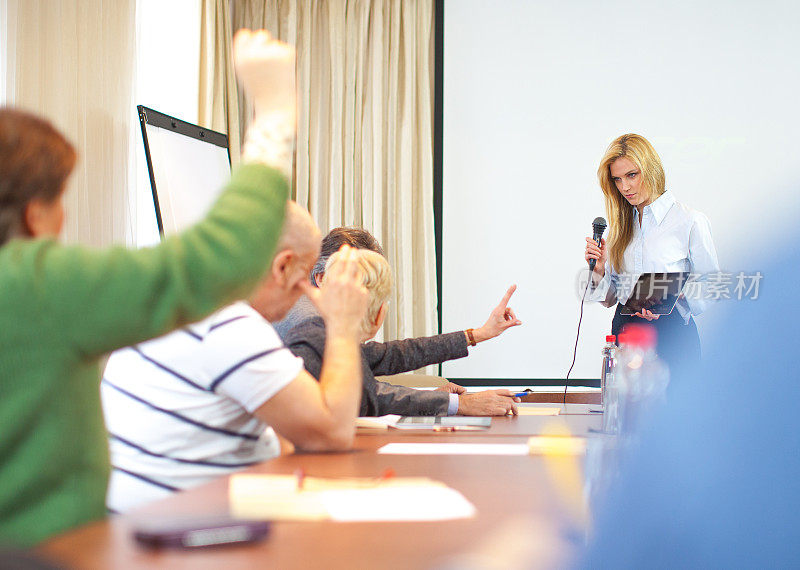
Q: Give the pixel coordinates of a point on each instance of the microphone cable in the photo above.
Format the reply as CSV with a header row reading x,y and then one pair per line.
x,y
599,226
577,336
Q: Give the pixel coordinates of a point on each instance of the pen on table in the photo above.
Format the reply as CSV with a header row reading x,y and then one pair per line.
x,y
520,394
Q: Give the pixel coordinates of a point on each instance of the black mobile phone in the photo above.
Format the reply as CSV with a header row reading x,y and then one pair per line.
x,y
198,532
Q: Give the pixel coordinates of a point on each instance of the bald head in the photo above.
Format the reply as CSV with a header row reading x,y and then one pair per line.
x,y
298,248
300,233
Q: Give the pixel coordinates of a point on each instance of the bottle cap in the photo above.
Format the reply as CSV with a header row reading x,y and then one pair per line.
x,y
610,338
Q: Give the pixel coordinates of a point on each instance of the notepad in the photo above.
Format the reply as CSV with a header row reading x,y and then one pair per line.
x,y
278,497
380,422
420,503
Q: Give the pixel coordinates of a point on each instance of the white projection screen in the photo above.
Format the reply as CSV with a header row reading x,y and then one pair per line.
x,y
534,91
188,167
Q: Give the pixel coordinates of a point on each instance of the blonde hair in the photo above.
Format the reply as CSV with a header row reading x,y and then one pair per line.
x,y
620,213
377,279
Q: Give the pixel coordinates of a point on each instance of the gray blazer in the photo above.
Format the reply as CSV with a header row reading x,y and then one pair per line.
x,y
307,340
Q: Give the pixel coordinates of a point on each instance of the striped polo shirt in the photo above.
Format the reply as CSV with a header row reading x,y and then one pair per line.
x,y
179,408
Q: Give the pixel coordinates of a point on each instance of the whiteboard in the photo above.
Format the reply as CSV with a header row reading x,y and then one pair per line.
x,y
535,91
189,166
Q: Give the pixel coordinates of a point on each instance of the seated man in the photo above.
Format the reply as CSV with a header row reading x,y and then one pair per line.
x,y
196,404
306,338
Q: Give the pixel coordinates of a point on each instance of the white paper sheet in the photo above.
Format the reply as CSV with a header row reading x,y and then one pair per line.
x,y
524,410
397,504
282,497
380,422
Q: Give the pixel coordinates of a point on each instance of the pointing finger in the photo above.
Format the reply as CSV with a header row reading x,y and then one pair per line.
x,y
507,296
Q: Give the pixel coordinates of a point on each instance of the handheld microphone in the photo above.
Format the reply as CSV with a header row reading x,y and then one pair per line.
x,y
598,227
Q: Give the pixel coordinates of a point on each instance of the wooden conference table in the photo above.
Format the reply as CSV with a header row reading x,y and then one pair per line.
x,y
510,494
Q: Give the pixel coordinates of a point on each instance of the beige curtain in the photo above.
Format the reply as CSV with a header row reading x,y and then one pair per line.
x,y
219,109
364,142
72,61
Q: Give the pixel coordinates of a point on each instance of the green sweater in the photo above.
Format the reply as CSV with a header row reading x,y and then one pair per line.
x,y
63,307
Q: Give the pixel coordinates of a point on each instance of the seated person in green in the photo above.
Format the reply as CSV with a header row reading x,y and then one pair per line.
x,y
306,338
63,307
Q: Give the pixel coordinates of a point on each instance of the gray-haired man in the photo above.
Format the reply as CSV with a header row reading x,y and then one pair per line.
x,y
304,333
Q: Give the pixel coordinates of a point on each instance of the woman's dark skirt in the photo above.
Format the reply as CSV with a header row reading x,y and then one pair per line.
x,y
678,342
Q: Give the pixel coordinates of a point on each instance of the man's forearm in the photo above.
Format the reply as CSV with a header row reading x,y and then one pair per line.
x,y
398,356
392,399
340,380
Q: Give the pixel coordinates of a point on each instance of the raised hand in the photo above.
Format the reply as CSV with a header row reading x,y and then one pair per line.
x,y
500,319
342,299
266,69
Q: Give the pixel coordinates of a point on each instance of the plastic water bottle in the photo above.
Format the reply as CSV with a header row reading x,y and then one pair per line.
x,y
611,397
637,383
640,377
607,372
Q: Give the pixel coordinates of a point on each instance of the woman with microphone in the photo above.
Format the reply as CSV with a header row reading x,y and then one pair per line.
x,y
650,232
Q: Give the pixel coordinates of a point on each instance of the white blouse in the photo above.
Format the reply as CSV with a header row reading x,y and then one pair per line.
x,y
671,238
